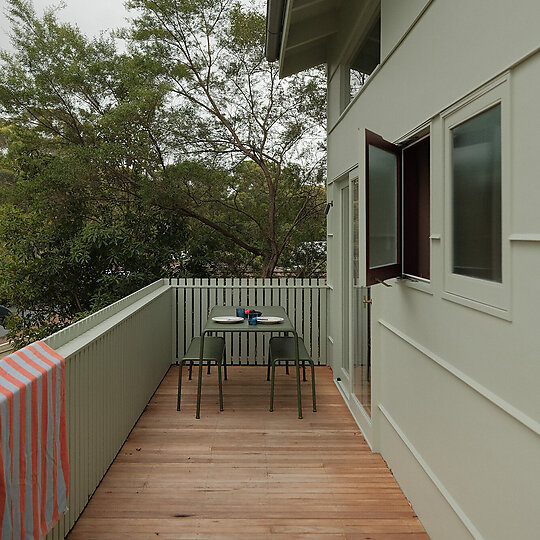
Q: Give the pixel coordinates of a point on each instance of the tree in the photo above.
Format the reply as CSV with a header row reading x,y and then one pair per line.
x,y
228,106
195,86
75,230
108,170
63,253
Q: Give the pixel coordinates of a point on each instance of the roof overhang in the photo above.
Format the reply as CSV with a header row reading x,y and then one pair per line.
x,y
298,32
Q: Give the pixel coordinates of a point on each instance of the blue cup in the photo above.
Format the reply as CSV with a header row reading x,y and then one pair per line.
x,y
252,319
240,312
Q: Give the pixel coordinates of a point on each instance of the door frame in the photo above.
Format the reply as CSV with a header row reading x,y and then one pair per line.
x,y
342,376
345,380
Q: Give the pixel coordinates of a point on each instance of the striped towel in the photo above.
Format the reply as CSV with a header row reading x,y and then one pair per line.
x,y
34,468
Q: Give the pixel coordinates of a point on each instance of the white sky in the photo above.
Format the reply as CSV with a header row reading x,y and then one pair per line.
x,y
91,16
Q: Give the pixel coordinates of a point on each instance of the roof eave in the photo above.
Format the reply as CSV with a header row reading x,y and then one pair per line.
x,y
275,10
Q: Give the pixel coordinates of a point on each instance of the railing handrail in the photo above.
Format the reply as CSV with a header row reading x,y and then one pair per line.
x,y
75,330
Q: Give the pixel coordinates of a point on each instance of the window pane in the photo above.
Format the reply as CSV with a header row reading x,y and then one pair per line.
x,y
346,274
476,202
383,223
362,351
356,232
356,81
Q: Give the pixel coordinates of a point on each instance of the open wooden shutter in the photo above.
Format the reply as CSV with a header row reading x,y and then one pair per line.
x,y
383,209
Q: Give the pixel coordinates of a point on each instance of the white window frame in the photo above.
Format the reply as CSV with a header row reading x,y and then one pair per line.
x,y
487,296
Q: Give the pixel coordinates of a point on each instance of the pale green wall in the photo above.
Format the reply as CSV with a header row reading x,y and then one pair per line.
x,y
396,18
456,401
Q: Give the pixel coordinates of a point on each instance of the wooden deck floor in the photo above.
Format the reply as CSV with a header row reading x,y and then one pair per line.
x,y
246,473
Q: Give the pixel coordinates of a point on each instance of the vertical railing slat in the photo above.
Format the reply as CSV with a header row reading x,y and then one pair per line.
x,y
237,302
323,328
315,298
251,282
197,307
205,285
181,318
190,315
228,299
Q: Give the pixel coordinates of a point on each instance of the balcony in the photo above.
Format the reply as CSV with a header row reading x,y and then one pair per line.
x,y
241,473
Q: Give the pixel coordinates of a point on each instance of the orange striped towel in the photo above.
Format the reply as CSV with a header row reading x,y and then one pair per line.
x,y
34,468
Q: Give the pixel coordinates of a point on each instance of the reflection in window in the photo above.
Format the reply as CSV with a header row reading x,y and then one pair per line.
x,y
362,346
356,81
366,59
383,211
356,232
362,353
476,196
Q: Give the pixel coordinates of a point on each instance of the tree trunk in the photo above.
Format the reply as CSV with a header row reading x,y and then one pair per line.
x,y
269,263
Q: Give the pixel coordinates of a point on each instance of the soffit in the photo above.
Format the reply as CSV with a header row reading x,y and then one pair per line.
x,y
310,27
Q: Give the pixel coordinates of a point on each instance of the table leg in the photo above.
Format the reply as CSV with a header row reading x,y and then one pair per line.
x,y
220,388
179,385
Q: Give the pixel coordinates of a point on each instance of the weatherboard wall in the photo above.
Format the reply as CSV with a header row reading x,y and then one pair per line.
x,y
456,407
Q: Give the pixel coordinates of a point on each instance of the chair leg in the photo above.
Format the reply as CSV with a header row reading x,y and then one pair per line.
x,y
287,368
313,386
304,371
199,388
298,389
190,369
225,363
272,379
269,362
220,388
208,368
179,384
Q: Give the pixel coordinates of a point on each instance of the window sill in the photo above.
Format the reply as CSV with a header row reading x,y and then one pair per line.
x,y
418,284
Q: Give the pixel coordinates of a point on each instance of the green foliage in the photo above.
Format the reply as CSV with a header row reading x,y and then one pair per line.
x,y
185,154
231,107
64,253
78,131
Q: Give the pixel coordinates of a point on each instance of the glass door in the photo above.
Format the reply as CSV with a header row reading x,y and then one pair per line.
x,y
345,284
361,317
362,349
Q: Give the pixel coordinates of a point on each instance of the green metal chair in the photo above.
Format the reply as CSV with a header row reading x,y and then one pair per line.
x,y
214,352
286,371
281,350
224,368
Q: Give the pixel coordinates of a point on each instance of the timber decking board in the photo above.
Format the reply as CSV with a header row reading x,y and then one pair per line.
x,y
246,473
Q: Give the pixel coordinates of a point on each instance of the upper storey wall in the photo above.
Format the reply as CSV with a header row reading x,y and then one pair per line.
x,y
396,18
455,47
